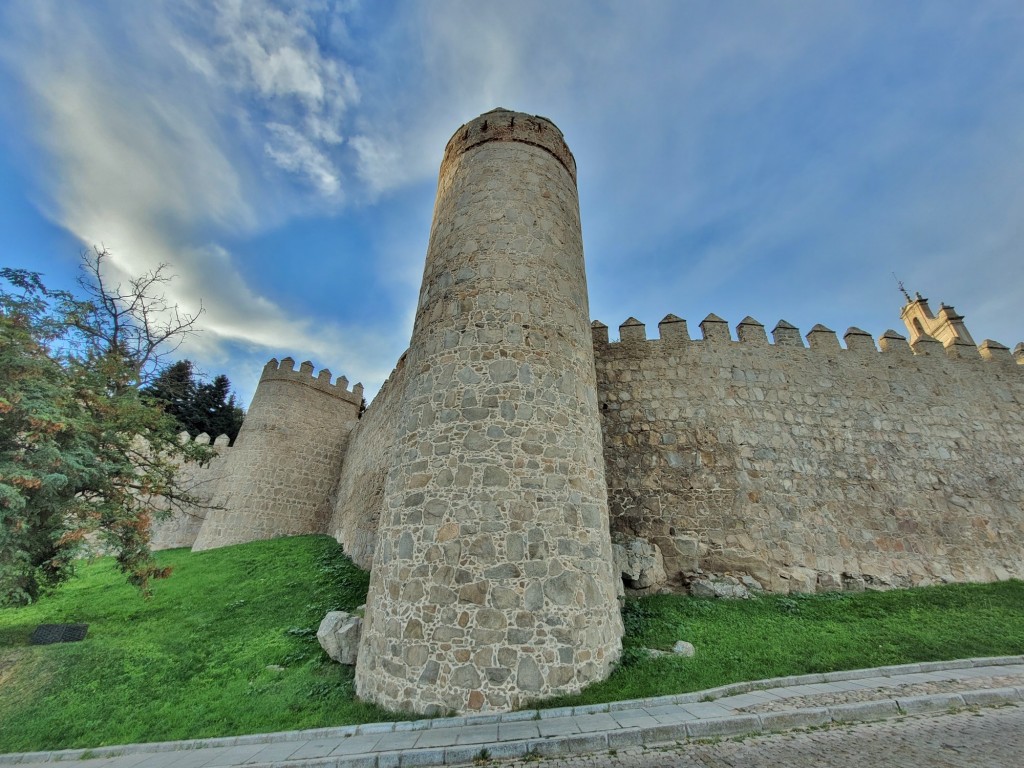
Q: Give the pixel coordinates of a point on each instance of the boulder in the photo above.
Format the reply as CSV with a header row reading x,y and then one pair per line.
x,y
683,648
339,636
639,561
716,585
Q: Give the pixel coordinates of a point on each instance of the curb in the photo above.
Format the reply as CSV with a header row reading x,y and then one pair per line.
x,y
580,744
735,725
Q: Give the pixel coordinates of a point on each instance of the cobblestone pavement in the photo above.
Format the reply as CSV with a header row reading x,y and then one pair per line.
x,y
873,694
989,738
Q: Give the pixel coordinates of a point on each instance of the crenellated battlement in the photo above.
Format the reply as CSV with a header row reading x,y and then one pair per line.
x,y
820,339
286,458
812,461
504,125
285,371
221,441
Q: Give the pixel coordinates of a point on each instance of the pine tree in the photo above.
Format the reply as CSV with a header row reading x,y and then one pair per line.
x,y
197,406
175,388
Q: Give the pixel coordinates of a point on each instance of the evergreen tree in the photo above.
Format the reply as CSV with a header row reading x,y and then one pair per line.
x,y
82,453
175,388
197,406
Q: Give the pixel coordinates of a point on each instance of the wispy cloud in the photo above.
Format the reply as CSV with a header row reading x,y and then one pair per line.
x,y
734,157
166,127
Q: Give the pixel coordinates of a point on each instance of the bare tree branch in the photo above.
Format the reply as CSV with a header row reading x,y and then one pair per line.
x,y
134,322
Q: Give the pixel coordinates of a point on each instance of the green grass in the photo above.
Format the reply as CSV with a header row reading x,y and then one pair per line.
x,y
190,662
798,634
196,660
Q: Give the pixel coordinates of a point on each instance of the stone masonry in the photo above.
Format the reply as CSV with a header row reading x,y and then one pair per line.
x,y
492,583
179,526
814,468
293,437
483,481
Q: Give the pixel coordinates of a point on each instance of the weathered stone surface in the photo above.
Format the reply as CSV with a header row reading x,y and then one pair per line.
x,y
494,502
640,562
815,469
683,648
713,585
339,636
182,524
286,460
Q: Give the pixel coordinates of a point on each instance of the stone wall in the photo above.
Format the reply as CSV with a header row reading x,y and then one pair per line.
x,y
815,468
492,579
359,499
181,526
287,458
482,482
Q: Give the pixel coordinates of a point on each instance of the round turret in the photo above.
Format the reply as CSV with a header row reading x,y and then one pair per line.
x,y
492,582
286,458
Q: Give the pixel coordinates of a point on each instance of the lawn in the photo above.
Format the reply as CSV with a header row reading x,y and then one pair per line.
x,y
227,645
798,634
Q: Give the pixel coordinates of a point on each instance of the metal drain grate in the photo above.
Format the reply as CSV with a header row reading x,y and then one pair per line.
x,y
45,634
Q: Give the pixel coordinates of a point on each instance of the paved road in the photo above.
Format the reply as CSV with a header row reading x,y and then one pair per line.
x,y
987,738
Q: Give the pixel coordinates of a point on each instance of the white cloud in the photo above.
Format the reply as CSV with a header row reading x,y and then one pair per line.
x,y
711,138
294,152
156,122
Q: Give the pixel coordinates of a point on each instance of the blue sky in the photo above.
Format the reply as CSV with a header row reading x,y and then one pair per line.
x,y
779,160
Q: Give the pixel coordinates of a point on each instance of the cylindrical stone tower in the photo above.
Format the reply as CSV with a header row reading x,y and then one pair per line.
x,y
492,580
286,459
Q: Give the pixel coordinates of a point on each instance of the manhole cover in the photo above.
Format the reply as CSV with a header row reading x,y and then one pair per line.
x,y
45,634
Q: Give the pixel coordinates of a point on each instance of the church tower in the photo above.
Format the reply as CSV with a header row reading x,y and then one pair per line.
x,y
947,327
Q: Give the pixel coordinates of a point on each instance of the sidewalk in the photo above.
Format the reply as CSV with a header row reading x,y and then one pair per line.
x,y
732,710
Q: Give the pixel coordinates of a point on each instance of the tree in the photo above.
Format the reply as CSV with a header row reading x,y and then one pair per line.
x,y
216,408
175,388
83,454
198,407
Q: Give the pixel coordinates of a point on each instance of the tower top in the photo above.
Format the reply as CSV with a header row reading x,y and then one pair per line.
x,y
502,124
947,326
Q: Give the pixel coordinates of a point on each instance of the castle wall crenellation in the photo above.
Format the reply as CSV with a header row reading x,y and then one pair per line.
x,y
285,371
285,463
750,332
804,467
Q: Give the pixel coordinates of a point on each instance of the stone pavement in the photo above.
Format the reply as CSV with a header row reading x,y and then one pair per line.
x,y
988,738
602,730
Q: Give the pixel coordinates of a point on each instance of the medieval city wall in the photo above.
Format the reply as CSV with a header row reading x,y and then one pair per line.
x,y
287,458
815,468
370,455
511,440
201,481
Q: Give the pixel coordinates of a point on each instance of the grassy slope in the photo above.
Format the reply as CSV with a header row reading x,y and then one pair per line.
x,y
193,661
789,635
